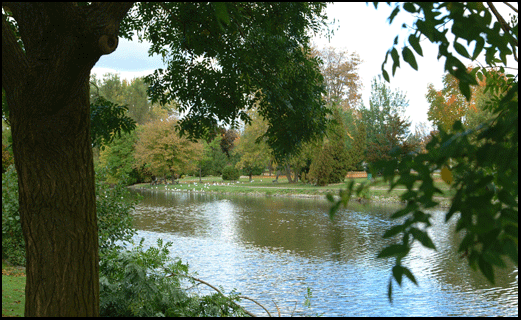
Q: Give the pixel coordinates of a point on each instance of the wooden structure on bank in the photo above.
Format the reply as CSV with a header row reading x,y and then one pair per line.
x,y
356,174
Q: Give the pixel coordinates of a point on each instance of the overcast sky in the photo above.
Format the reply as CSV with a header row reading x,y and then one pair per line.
x,y
359,27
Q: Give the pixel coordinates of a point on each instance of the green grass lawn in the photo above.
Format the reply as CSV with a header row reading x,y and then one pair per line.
x,y
263,185
13,291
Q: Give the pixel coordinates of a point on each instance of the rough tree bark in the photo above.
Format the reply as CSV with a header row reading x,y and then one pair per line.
x,y
47,91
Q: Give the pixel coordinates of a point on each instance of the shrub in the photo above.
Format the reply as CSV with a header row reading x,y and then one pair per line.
x,y
13,245
230,173
138,283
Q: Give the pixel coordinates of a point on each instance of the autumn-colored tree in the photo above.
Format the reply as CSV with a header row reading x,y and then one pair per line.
x,y
341,78
163,152
449,105
228,138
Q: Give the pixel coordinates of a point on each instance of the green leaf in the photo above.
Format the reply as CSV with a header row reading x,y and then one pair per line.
x,y
423,237
511,249
409,275
393,14
398,273
408,56
507,198
486,269
333,210
409,7
385,75
221,12
415,43
465,89
393,250
461,49
390,290
396,59
394,231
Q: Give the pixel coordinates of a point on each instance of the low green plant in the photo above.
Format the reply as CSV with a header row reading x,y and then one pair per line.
x,y
231,173
13,245
143,283
113,206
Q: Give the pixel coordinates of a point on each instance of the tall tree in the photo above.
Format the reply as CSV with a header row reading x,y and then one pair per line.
x,y
48,51
47,90
340,71
384,121
163,152
332,163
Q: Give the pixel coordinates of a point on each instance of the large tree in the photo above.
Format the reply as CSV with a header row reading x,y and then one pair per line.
x,y
221,58
163,152
385,122
340,71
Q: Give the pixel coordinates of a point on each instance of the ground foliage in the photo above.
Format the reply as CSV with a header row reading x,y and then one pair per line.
x,y
145,283
483,171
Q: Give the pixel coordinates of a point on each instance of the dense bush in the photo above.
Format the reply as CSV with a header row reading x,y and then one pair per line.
x,y
113,207
13,245
231,173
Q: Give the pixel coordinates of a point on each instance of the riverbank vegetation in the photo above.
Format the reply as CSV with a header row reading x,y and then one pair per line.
x,y
264,186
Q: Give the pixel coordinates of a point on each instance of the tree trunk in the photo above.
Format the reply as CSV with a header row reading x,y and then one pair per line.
x,y
47,91
53,157
288,173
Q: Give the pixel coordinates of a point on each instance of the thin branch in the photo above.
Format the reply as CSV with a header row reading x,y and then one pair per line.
x,y
219,291
504,24
276,306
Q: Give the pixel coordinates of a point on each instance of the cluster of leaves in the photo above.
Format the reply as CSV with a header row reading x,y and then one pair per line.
x,y
480,163
142,283
113,206
223,58
108,120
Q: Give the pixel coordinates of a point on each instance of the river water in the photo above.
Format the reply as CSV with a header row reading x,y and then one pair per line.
x,y
274,248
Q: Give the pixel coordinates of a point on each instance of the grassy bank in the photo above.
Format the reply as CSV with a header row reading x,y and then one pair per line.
x,y
264,186
13,290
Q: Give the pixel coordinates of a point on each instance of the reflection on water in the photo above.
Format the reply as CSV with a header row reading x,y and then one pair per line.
x,y
272,249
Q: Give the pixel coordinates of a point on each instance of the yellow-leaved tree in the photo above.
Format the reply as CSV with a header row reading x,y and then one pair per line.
x,y
163,152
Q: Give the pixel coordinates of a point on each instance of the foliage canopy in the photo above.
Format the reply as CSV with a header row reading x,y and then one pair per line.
x,y
248,53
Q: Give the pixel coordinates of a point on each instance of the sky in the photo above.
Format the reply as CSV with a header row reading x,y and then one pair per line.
x,y
359,28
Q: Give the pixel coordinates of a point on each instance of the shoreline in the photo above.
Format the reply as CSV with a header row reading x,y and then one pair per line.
x,y
443,201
